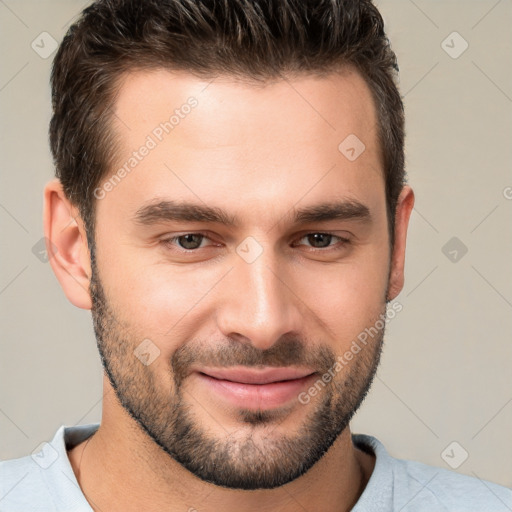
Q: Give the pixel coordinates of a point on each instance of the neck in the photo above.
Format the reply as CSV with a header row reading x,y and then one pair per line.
x,y
121,468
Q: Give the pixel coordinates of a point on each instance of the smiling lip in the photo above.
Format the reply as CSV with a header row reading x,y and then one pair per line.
x,y
256,389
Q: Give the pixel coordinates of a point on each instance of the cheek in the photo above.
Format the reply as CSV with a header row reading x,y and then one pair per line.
x,y
159,301
350,296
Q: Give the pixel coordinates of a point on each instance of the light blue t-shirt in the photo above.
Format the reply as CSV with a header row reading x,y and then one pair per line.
x,y
45,482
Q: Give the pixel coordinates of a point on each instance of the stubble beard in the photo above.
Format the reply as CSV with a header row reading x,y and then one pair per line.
x,y
258,455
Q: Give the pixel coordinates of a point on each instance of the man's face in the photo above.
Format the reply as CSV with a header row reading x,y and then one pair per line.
x,y
274,288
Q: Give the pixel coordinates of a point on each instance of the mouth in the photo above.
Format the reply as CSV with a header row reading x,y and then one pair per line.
x,y
250,388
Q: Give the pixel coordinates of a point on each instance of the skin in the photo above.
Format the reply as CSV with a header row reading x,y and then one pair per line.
x,y
257,152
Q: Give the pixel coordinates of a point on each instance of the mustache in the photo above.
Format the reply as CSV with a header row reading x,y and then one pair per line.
x,y
287,351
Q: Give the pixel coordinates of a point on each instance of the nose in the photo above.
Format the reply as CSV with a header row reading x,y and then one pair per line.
x,y
258,303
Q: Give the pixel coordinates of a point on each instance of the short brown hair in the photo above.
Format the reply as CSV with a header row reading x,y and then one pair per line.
x,y
255,39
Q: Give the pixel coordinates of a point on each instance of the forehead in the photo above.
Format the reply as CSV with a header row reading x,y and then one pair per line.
x,y
225,139
336,102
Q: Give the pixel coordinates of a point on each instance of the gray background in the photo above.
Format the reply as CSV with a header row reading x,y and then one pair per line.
x,y
445,374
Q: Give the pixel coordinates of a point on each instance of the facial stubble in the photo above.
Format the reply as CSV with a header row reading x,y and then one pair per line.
x,y
256,456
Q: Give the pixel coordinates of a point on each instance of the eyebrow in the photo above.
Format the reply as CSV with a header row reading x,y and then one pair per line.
x,y
178,211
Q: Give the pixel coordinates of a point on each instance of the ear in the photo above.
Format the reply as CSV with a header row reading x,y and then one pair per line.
x,y
66,244
404,207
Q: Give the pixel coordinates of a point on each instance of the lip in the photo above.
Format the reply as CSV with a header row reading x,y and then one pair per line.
x,y
245,388
256,376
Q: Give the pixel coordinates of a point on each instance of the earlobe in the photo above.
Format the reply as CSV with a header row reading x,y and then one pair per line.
x,y
66,243
404,208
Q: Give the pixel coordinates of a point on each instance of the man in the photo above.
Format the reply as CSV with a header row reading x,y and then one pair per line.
x,y
231,205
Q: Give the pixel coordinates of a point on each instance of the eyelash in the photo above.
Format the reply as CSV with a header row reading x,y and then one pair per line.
x,y
168,242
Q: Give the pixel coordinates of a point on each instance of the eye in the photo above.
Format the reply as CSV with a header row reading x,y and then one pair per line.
x,y
194,241
188,241
323,240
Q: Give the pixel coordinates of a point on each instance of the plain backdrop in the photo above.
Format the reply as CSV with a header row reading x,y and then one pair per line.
x,y
445,381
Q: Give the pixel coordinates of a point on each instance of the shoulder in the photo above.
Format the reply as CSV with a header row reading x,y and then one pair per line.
x,y
44,481
408,485
22,485
450,490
